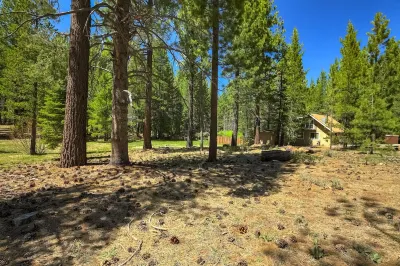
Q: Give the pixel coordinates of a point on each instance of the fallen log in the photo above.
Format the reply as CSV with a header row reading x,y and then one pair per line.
x,y
277,155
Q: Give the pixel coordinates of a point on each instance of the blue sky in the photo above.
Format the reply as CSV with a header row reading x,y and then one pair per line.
x,y
321,24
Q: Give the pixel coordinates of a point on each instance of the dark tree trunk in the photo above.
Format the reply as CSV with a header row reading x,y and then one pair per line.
x,y
120,99
138,129
280,114
74,136
32,150
257,123
212,154
201,135
234,141
189,139
149,93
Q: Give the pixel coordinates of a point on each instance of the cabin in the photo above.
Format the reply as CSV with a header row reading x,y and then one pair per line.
x,y
317,130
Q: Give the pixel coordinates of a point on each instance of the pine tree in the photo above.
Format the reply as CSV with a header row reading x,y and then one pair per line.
x,y
296,87
252,56
318,94
378,38
372,119
100,107
212,13
54,69
20,90
166,99
350,80
74,136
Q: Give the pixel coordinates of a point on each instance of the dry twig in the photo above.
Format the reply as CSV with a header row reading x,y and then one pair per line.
x,y
155,227
134,253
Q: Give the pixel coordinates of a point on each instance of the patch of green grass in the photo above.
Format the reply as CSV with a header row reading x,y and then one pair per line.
x,y
307,178
109,254
11,153
267,237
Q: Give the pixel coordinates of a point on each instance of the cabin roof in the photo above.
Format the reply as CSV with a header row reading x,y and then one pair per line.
x,y
328,122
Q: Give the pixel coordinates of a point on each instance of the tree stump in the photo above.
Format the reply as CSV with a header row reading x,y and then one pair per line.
x,y
278,155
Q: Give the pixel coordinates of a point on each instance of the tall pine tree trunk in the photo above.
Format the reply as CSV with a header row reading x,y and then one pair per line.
x,y
280,114
189,140
32,150
149,93
212,154
201,135
74,136
257,122
234,141
120,98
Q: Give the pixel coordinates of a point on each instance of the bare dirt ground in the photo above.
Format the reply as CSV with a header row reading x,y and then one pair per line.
x,y
172,208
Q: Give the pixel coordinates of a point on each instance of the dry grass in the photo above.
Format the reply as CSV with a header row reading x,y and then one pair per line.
x,y
231,212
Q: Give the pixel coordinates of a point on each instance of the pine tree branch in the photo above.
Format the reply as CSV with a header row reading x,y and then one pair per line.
x,y
36,17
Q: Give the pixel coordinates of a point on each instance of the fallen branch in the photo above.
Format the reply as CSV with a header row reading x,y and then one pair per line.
x,y
155,227
237,245
134,253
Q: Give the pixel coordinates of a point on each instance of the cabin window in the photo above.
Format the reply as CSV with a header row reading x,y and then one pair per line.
x,y
314,135
309,124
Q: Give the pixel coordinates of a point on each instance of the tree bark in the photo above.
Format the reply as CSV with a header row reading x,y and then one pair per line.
x,y
201,136
120,99
189,139
74,135
212,153
32,150
280,115
234,141
149,93
257,122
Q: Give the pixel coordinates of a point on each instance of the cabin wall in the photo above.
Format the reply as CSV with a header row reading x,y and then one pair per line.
x,y
267,137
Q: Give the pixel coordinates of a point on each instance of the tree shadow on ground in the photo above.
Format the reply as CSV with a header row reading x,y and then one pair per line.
x,y
382,218
84,212
364,252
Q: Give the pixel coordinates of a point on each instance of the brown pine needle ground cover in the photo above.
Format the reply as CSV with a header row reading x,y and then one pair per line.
x,y
172,208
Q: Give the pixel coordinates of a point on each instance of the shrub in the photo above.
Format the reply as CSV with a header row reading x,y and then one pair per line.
x,y
317,252
336,184
24,144
368,252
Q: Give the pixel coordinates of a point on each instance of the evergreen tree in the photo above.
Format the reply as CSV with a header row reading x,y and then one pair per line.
x,y
350,81
166,98
318,95
74,135
372,119
20,86
296,86
100,107
54,70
